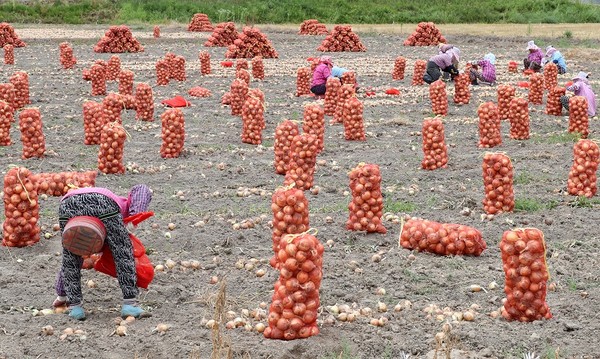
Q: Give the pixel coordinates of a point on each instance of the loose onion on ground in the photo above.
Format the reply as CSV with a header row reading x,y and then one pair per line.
x,y
498,183
441,238
366,206
582,177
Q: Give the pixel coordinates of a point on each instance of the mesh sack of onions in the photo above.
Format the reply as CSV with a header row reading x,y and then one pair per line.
x,y
313,65
258,68
223,35
21,209
204,58
518,115
439,100
489,125
156,31
239,91
513,67
110,154
332,89
8,36
344,93
426,34
284,135
9,54
294,307
59,184
312,27
553,104
523,252
354,129
550,76
144,100
128,101
20,81
199,92
178,68
435,152
241,64
441,238
366,207
126,82
505,95
342,38
578,116
98,77
112,106
462,95
244,75
86,73
349,78
67,60
113,68
253,113
226,98
536,89
290,216
314,123
303,78
6,118
498,183
200,23
118,39
250,43
301,167
32,135
173,133
257,93
582,177
93,121
418,72
399,67
163,72
7,94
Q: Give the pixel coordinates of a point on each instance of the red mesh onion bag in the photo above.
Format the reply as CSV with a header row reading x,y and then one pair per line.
x,y
518,116
144,100
201,23
498,183
505,95
489,125
582,177
204,58
284,135
441,238
344,93
239,91
435,152
178,68
98,77
399,67
536,89
290,216
513,67
126,82
314,123
118,39
342,38
426,34
253,119
32,135
9,54
462,95
550,76
553,104
258,68
241,64
303,79
67,60
156,32
173,133
354,129
244,75
163,72
7,94
366,207
302,163
21,209
6,118
418,72
110,154
112,106
113,68
332,90
20,81
59,184
349,78
93,121
578,116
439,100
223,35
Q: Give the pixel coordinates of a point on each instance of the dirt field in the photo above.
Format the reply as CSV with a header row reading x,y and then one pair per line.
x,y
217,167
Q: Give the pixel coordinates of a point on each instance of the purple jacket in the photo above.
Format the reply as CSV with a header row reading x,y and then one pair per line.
x,y
581,88
442,60
322,72
488,70
536,56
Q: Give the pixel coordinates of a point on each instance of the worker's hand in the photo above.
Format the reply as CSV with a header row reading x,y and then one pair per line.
x,y
130,227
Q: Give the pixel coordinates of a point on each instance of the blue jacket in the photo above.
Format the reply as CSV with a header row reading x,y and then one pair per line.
x,y
338,71
558,59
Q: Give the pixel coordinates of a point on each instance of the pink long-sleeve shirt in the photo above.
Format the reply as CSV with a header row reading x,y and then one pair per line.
x,y
536,56
488,70
442,60
121,201
580,88
322,72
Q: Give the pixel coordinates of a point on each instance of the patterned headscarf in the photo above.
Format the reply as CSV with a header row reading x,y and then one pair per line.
x,y
139,199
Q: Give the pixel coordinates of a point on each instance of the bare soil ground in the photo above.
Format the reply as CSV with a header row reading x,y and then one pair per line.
x,y
216,165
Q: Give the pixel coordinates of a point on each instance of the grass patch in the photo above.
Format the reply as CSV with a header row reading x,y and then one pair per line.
x,y
565,137
344,352
398,206
533,205
332,208
523,178
584,202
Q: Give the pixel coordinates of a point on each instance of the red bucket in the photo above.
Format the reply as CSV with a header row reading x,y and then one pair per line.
x,y
84,235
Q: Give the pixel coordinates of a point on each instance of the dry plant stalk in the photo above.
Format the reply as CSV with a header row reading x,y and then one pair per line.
x,y
220,342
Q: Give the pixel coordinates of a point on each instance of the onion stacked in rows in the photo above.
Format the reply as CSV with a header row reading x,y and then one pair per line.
x,y
200,23
578,116
553,104
518,115
302,162
258,68
344,93
113,68
332,89
239,91
349,78
21,209
352,113
550,76
505,95
536,89
253,119
462,95
20,81
7,94
250,43
582,177
342,38
93,121
67,60
426,34
6,118
314,123
526,274
441,238
144,109
435,152
303,78
59,184
290,216
285,133
223,35
399,67
110,153
32,135
118,39
489,125
439,100
9,54
312,27
98,77
366,207
498,183
126,82
204,58
156,32
8,36
173,133
199,92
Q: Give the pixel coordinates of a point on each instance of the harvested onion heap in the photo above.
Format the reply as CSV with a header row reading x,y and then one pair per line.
x,y
526,274
439,100
250,43
98,77
199,92
312,27
518,116
21,209
223,35
578,115
426,34
58,184
489,125
314,123
536,89
173,133
112,106
163,72
156,32
9,54
20,81
399,67
6,118
418,72
244,75
126,82
258,68
7,94
290,216
441,238
32,136
110,154
93,121
8,36
67,60
200,23
284,135
113,68
582,177
144,102
553,104
366,207
239,91
352,113
498,183
118,39
253,118
550,76
332,89
435,152
302,163
344,93
342,38
204,58
505,95
303,78
294,308
462,95
176,66
513,67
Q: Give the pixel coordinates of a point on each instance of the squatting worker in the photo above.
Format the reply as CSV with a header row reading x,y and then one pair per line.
x,y
446,60
483,71
322,72
581,87
103,205
338,72
554,56
534,59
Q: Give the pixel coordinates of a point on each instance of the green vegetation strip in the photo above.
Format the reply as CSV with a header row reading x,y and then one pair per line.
x,y
295,11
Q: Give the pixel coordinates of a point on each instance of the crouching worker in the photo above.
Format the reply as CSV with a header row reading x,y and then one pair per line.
x,y
534,59
446,61
89,219
581,87
483,71
338,72
320,75
554,56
